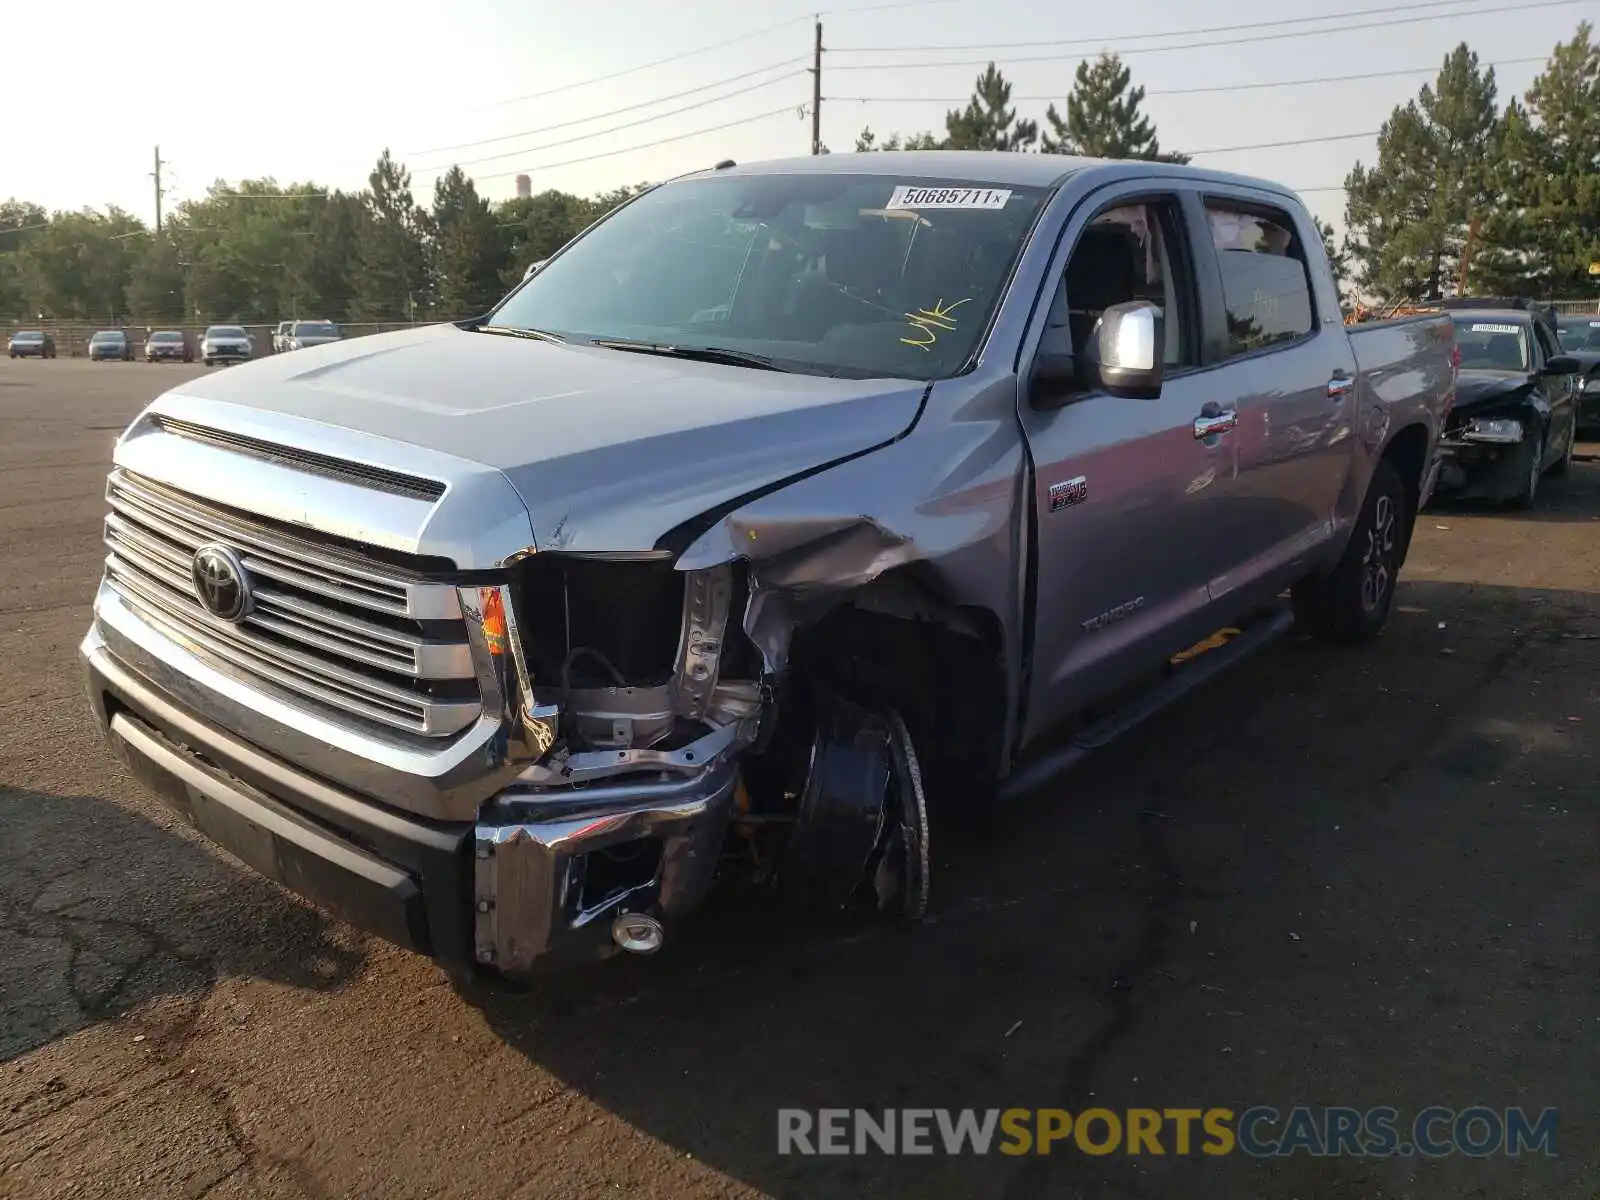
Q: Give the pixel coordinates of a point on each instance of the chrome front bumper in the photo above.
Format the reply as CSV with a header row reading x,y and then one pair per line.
x,y
532,875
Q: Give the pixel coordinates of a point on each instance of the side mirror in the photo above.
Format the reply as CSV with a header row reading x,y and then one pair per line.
x,y
1129,341
1563,364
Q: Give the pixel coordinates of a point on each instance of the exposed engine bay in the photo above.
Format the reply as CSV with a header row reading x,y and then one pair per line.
x,y
658,685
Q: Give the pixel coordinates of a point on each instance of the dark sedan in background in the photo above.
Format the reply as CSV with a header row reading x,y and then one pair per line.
x,y
167,345
1515,415
110,345
1580,337
31,343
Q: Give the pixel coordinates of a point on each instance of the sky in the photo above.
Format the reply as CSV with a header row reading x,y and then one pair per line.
x,y
316,92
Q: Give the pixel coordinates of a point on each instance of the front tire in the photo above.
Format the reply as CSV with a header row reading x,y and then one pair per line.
x,y
1350,604
1532,471
1564,464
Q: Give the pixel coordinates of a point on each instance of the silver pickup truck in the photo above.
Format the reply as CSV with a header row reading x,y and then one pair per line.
x,y
788,504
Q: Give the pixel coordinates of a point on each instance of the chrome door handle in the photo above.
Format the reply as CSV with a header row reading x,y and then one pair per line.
x,y
1339,385
1211,425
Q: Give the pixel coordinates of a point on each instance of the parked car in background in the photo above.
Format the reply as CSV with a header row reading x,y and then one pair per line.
x,y
31,343
280,335
109,344
225,343
502,638
167,345
304,334
1516,409
1580,337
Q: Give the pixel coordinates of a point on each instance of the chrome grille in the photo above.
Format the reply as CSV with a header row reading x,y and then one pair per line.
x,y
328,626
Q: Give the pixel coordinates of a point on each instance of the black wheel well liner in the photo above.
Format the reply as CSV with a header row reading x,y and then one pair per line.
x,y
941,665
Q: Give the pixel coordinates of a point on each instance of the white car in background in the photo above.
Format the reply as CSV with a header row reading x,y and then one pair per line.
x,y
225,343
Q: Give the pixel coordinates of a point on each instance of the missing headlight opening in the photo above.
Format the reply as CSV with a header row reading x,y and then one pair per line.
x,y
821,799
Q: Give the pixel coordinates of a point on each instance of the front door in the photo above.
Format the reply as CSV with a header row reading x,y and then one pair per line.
x,y
1561,391
1126,492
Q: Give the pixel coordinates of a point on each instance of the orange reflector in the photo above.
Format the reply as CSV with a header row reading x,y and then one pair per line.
x,y
494,620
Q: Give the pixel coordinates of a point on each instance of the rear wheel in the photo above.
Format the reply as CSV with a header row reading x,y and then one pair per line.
x,y
1351,603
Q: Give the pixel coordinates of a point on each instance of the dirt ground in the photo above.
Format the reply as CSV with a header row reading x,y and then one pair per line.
x,y
1354,878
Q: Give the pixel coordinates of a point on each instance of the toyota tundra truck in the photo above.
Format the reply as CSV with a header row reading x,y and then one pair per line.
x,y
787,505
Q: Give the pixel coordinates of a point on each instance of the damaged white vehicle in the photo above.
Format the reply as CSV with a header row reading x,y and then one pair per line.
x,y
784,490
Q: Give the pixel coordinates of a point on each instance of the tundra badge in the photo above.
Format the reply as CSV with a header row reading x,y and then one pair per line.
x,y
1072,491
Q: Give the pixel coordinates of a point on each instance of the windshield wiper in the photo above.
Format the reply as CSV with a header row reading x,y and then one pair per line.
x,y
711,354
537,335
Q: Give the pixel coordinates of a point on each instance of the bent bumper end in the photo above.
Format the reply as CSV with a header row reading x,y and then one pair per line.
x,y
553,870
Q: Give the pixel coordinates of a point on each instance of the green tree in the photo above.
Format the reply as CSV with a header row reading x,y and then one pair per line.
x,y
156,286
78,266
391,277
470,249
989,122
1544,230
1103,118
867,140
1338,259
1409,214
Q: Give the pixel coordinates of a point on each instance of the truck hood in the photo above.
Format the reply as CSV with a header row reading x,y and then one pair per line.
x,y
608,450
1485,389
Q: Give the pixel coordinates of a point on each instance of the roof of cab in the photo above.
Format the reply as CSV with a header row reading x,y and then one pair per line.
x,y
983,167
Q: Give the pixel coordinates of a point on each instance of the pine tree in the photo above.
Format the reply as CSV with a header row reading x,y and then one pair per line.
x,y
390,275
1545,229
470,251
1103,118
867,140
1408,216
988,122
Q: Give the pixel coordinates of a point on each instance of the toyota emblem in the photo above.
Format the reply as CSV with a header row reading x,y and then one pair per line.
x,y
220,582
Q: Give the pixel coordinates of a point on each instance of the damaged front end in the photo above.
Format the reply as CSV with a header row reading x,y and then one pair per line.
x,y
1484,450
661,749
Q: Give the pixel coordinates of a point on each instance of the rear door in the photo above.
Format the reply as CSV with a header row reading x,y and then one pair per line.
x,y
1126,492
1290,363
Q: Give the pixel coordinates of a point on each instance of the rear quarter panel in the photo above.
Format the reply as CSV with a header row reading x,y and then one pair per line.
x,y
1405,378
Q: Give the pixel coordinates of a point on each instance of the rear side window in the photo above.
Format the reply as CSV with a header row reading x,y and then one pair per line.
x,y
1265,283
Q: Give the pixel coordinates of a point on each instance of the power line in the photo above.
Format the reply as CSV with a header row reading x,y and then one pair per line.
x,y
733,41
1242,41
1194,91
597,133
788,62
572,162
1304,141
1169,33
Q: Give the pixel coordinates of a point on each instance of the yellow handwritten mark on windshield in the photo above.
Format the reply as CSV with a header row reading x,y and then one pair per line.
x,y
931,321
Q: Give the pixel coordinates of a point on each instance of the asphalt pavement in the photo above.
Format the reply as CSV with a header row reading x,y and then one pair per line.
x,y
1351,878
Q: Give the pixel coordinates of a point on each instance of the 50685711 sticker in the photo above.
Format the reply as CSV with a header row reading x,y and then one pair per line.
x,y
948,197
1482,327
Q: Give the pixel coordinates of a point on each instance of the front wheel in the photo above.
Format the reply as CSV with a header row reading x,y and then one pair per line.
x,y
1351,603
1533,470
1564,464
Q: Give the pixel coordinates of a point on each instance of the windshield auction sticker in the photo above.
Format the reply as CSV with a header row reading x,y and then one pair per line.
x,y
1481,328
945,197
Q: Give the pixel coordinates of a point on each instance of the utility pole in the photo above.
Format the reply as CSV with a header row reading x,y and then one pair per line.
x,y
816,92
156,175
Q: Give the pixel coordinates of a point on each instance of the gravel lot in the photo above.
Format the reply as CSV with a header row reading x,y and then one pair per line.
x,y
1355,878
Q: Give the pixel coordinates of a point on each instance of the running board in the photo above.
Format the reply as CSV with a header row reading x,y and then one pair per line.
x,y
1196,672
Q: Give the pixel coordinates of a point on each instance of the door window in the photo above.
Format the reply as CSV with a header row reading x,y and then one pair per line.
x,y
1265,282
1133,251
